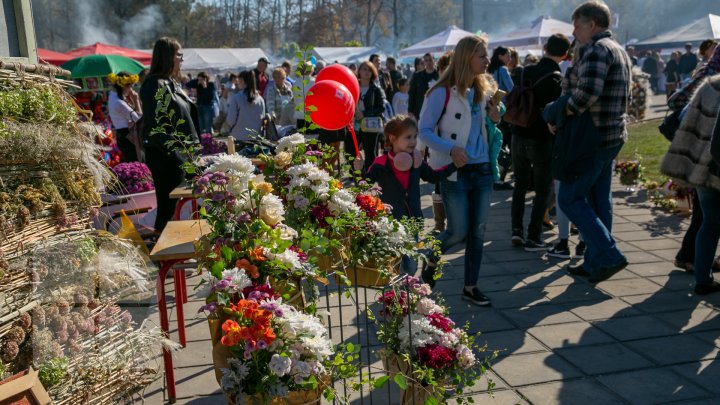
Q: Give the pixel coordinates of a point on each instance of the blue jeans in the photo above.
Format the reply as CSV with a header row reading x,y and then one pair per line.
x,y
467,205
708,235
587,202
206,115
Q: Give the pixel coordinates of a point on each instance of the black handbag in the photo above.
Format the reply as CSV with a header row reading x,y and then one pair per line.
x,y
670,125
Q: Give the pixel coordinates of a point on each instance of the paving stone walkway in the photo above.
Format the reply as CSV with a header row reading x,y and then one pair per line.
x,y
641,337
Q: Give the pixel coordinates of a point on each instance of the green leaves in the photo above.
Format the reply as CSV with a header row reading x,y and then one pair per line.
x,y
380,381
401,381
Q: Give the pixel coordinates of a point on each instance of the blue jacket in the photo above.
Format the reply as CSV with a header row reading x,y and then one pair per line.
x,y
577,141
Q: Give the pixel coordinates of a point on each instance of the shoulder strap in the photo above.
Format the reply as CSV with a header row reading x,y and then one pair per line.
x,y
445,104
544,77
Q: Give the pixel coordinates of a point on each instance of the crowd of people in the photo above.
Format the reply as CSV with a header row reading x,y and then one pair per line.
x,y
462,122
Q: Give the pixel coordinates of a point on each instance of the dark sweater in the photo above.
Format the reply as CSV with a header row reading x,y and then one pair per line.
x,y
419,85
404,202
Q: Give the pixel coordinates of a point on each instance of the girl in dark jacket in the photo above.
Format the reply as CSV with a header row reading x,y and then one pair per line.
x,y
164,164
398,172
368,112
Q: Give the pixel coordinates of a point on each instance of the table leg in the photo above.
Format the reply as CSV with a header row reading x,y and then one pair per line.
x,y
165,326
178,275
178,207
195,209
183,280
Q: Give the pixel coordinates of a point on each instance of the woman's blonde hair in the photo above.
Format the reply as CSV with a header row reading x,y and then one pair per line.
x,y
279,72
459,73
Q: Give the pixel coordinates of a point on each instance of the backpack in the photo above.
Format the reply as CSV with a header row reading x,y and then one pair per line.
x,y
521,107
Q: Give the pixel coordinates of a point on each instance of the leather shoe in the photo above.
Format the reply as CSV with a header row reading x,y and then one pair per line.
x,y
607,272
705,289
577,270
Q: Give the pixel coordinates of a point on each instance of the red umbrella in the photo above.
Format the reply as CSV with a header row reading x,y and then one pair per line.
x,y
105,49
52,57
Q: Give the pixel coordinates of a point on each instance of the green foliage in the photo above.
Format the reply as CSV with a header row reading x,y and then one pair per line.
x,y
353,43
288,50
644,139
38,103
168,127
53,372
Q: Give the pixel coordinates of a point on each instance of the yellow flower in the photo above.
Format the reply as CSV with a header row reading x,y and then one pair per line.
x,y
282,159
264,188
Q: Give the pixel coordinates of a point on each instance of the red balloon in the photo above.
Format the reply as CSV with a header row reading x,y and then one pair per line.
x,y
333,105
342,75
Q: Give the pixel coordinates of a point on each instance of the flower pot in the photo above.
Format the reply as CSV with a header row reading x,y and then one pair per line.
x,y
684,205
416,393
370,274
334,261
629,179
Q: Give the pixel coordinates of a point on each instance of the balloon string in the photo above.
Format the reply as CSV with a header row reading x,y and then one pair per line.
x,y
354,138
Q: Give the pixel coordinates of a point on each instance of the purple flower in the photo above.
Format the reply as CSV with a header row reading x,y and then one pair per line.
x,y
245,217
211,307
261,344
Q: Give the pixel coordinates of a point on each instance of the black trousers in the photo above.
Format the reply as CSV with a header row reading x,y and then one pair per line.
x,y
532,159
167,175
687,249
126,147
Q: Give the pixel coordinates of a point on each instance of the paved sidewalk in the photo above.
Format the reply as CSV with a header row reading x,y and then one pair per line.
x,y
638,338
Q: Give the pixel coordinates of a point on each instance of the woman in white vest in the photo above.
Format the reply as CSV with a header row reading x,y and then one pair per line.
x,y
456,133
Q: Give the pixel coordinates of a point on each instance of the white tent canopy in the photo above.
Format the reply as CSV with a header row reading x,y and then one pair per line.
x,y
697,31
346,55
219,60
534,35
438,43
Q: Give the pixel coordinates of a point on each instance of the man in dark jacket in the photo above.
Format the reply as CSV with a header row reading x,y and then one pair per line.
x,y
532,146
688,62
419,85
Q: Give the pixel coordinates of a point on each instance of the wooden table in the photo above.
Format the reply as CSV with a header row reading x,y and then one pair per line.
x,y
175,245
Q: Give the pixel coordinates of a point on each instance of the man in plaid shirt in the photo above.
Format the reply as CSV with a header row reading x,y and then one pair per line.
x,y
603,89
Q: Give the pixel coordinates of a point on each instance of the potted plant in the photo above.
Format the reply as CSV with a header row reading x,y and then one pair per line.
x,y
425,353
133,190
630,172
276,354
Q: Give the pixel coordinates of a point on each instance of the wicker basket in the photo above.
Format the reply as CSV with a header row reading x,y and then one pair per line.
x,y
416,393
370,274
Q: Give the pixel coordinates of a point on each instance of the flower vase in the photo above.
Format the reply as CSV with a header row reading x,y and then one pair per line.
x,y
629,180
373,273
220,356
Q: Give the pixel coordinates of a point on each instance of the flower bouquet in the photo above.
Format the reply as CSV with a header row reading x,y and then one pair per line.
x,y
277,354
134,177
425,353
672,196
630,172
314,201
211,146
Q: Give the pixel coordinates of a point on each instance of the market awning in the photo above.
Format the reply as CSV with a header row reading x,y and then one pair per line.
x,y
346,55
438,43
707,27
534,35
52,57
105,49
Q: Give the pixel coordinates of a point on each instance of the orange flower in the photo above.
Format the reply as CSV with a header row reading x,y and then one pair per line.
x,y
257,255
249,268
259,321
232,332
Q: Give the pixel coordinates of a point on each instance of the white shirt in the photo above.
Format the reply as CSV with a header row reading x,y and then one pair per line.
x,y
400,103
120,111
